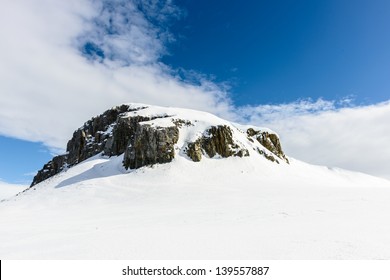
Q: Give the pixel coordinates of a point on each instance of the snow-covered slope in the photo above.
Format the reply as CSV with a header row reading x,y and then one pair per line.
x,y
219,208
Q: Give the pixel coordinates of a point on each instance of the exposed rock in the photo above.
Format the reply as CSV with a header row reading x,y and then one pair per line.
x,y
216,140
144,141
124,130
95,136
50,169
267,156
179,123
242,153
270,141
251,132
151,145
194,150
91,138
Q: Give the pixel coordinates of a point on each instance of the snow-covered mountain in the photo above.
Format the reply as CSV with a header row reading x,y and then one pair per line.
x,y
143,182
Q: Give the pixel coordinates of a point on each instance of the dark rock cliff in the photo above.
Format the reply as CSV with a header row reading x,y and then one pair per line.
x,y
95,136
151,145
114,133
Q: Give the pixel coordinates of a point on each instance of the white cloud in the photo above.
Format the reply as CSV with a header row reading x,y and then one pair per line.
x,y
120,32
318,132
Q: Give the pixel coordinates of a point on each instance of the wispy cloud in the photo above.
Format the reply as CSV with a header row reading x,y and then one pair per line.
x,y
127,32
268,113
273,112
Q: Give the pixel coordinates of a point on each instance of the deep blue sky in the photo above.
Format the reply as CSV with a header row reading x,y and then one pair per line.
x,y
280,51
269,51
19,159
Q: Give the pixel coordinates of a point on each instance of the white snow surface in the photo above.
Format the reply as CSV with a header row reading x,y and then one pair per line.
x,y
233,208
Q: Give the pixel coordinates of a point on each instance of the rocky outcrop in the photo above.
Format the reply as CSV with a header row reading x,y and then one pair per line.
x,y
217,140
270,141
124,130
57,164
150,145
108,133
87,141
194,150
114,133
151,137
91,138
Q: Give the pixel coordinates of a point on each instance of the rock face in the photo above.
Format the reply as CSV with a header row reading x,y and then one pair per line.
x,y
194,150
217,140
105,132
124,130
147,136
94,135
57,164
270,141
150,145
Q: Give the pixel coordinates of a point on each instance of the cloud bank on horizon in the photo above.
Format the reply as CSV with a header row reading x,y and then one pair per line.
x,y
65,61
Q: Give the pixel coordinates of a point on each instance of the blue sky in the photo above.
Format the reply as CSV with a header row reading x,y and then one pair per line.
x,y
275,63
20,159
281,51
